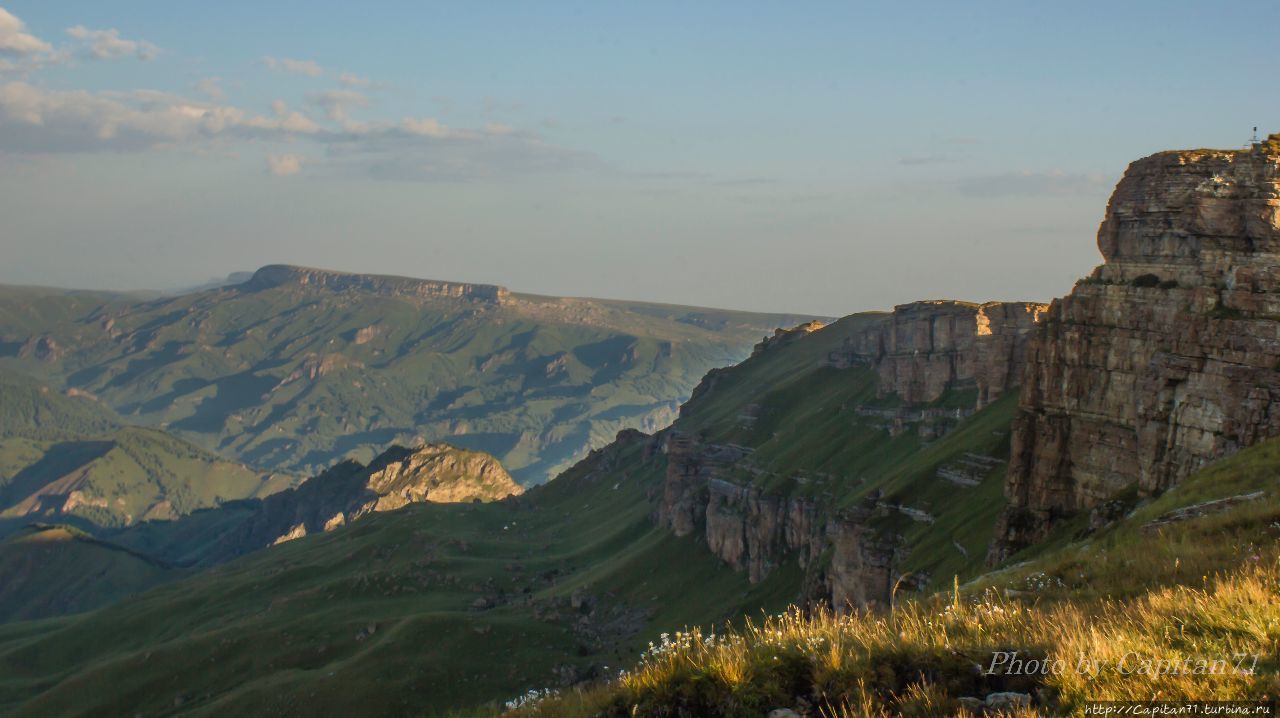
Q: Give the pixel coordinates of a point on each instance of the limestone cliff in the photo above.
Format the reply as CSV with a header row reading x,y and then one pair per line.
x,y
1166,357
756,518
398,477
753,531
925,348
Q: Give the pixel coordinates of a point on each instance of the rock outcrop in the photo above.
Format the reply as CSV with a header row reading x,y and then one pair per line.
x,y
754,532
925,348
279,275
1166,357
398,477
782,336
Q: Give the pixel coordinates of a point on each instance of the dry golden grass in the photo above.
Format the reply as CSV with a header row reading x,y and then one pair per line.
x,y
921,658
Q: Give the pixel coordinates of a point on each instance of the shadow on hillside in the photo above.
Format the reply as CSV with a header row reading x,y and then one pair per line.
x,y
57,462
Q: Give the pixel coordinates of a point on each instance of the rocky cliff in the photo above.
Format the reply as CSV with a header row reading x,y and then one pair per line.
x,y
925,348
751,467
349,490
754,531
1166,357
277,275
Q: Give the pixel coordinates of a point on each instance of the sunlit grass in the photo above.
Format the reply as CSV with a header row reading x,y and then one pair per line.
x,y
1171,643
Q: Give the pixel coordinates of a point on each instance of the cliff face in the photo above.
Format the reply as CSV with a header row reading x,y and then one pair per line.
x,y
1167,356
277,275
348,491
925,348
754,532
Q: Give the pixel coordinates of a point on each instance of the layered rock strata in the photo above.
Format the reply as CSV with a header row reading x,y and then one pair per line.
x,y
925,348
1166,357
754,532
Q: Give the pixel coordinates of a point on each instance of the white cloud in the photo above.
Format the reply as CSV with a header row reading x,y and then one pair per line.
x,y
15,41
337,104
108,45
284,165
425,127
36,121
211,87
310,68
350,79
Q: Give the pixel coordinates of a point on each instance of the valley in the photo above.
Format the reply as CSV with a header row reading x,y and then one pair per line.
x,y
923,487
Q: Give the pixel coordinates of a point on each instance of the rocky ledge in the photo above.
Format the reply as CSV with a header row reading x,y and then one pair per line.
x,y
283,275
1166,357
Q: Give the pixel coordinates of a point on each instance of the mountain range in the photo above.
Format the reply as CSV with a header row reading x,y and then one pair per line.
x,y
296,368
929,488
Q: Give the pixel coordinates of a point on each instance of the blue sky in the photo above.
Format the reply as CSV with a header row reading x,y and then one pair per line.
x,y
820,157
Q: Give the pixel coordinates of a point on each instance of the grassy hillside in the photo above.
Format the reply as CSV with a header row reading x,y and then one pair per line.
x,y
68,458
55,570
437,607
297,375
429,607
811,434
1199,594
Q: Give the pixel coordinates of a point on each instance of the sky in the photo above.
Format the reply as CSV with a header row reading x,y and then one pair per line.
x,y
816,157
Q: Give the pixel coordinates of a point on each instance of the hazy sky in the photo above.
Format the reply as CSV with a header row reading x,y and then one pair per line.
x,y
819,157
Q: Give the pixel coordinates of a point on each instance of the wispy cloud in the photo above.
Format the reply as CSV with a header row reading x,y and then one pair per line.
x,y
108,45
15,41
309,68
1030,184
916,160
35,120
337,104
284,165
210,87
322,135
348,79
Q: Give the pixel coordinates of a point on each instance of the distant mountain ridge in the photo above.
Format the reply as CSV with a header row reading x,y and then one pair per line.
x,y
276,275
298,368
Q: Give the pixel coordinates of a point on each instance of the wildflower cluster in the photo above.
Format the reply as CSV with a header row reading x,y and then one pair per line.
x,y
530,698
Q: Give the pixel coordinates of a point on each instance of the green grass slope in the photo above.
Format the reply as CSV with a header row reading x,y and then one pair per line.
x,y
68,458
1176,601
810,435
439,607
296,376
55,570
431,607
